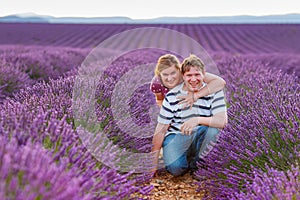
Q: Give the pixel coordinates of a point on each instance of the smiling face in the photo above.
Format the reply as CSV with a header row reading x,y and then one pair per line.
x,y
193,71
171,77
168,70
193,79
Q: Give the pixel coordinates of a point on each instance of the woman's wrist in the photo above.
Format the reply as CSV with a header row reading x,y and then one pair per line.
x,y
195,96
202,92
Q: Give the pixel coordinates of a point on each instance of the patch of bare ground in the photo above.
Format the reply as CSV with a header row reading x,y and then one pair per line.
x,y
168,187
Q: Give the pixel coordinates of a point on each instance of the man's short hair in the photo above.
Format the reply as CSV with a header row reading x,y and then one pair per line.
x,y
192,61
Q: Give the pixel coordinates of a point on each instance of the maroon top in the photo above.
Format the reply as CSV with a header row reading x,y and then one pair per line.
x,y
156,86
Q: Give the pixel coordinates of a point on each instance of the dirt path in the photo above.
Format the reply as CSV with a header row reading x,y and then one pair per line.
x,y
167,187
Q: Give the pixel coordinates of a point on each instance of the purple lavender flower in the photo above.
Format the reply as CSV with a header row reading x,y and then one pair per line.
x,y
28,172
273,184
12,79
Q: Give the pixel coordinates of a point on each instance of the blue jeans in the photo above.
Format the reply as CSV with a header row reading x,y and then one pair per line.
x,y
182,152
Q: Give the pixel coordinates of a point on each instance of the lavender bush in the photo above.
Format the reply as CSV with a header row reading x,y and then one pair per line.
x,y
139,103
273,184
29,172
263,131
42,63
50,124
22,66
12,79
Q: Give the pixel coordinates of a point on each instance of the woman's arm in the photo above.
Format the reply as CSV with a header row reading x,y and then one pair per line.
x,y
157,141
214,84
158,90
159,97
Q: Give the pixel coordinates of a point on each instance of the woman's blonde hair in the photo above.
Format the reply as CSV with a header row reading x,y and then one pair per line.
x,y
166,61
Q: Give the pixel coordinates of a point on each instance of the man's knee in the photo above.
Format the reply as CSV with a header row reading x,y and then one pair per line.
x,y
177,168
212,132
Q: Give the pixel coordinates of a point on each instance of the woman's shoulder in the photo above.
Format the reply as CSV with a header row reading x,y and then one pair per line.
x,y
156,86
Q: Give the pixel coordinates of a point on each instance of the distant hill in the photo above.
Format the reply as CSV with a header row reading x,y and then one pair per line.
x,y
242,19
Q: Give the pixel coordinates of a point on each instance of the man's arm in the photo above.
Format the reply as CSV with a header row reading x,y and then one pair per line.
x,y
158,139
218,120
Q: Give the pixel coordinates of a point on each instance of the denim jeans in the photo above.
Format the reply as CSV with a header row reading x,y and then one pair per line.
x,y
182,152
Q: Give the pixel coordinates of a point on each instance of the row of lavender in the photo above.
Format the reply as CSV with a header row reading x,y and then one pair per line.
x,y
42,156
23,66
237,39
258,153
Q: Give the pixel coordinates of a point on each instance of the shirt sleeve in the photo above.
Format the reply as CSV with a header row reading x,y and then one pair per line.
x,y
156,86
218,103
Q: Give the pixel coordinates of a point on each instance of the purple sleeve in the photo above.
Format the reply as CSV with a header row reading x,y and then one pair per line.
x,y
157,87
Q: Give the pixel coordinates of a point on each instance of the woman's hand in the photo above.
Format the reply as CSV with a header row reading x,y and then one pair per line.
x,y
188,126
187,100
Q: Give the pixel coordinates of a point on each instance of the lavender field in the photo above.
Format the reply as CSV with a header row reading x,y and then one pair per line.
x,y
42,155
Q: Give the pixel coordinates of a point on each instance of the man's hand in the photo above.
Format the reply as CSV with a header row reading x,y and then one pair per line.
x,y
188,126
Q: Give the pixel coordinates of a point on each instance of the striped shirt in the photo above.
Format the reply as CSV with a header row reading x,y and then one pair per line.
x,y
174,114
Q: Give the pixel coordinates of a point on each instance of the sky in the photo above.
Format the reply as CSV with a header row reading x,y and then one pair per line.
x,y
142,9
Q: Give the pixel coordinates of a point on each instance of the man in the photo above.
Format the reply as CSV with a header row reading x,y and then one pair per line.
x,y
186,134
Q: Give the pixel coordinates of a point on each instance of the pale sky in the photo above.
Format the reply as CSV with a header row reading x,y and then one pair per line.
x,y
142,9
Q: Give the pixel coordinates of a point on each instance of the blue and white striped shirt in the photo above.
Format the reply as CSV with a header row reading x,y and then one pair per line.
x,y
174,114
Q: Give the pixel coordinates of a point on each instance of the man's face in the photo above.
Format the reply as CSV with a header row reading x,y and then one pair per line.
x,y
193,79
170,77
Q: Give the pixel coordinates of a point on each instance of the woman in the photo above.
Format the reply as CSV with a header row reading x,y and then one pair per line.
x,y
168,75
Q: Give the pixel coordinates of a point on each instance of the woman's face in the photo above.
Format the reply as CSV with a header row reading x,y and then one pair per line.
x,y
171,77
